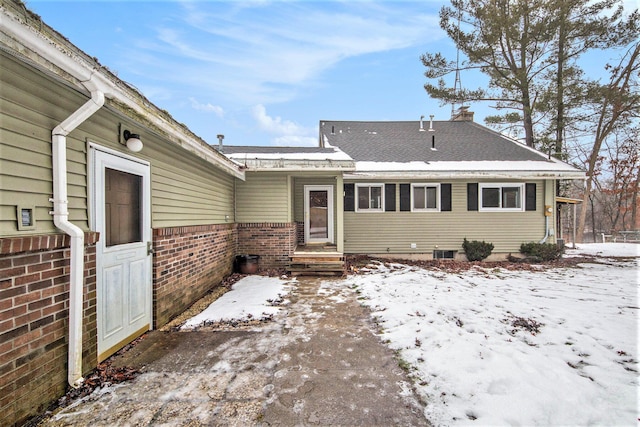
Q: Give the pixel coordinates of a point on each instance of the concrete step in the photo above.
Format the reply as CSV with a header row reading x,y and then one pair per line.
x,y
317,267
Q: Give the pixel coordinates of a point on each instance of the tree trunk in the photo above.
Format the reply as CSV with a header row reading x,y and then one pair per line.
x,y
562,39
593,219
634,205
586,197
610,111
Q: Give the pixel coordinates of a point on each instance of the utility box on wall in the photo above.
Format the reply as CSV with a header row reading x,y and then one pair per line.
x,y
26,217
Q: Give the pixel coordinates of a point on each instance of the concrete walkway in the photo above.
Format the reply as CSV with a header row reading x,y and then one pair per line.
x,y
318,363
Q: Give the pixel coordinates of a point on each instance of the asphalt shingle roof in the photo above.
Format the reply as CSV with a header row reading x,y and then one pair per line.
x,y
404,142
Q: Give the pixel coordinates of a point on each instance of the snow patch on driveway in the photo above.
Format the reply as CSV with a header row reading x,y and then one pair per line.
x,y
251,298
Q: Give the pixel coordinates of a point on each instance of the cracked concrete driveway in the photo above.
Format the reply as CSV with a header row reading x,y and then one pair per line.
x,y
317,363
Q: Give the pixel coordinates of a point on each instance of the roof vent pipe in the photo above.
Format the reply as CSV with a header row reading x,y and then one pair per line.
x,y
421,126
220,138
431,123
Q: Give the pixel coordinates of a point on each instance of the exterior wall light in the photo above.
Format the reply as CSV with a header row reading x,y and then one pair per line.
x,y
132,140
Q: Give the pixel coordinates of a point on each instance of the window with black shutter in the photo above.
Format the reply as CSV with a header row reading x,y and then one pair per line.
x,y
472,196
530,196
390,197
349,197
405,197
445,197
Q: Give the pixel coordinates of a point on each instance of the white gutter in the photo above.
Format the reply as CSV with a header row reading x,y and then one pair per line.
x,y
61,220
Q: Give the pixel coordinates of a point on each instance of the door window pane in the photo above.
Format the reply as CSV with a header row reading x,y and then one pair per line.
x,y
123,223
318,214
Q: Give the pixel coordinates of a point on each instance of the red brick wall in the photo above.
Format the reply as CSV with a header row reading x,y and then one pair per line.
x,y
188,262
274,242
34,311
300,232
34,298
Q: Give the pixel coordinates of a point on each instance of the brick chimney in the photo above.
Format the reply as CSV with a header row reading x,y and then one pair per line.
x,y
462,115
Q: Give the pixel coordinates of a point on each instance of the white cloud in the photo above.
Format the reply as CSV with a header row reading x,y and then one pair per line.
x,y
217,110
286,132
245,55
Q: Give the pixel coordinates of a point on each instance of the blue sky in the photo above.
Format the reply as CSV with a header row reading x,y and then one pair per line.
x,y
266,72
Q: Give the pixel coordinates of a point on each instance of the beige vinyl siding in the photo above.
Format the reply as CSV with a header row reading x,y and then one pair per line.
x,y
188,193
186,190
263,197
31,107
394,232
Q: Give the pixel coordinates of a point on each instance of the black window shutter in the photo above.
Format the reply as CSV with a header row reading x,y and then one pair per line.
x,y
405,197
472,196
530,196
445,197
389,197
349,197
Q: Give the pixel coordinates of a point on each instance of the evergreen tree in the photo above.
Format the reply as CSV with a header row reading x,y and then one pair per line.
x,y
528,49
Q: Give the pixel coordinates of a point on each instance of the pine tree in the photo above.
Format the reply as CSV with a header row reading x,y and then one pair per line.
x,y
529,51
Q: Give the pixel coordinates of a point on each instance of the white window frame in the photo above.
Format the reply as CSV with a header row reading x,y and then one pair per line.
x,y
500,185
357,199
426,184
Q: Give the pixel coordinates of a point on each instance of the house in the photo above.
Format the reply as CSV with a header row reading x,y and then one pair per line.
x,y
114,218
411,189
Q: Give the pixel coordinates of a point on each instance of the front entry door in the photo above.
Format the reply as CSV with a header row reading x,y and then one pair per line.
x,y
318,214
123,260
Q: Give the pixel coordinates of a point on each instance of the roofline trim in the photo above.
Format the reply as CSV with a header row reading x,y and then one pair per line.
x,y
514,174
301,165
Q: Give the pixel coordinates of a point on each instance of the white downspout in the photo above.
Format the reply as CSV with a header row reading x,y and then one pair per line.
x,y
61,220
546,226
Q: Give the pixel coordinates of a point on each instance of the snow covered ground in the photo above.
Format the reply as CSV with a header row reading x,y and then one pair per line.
x,y
497,347
252,298
494,346
605,249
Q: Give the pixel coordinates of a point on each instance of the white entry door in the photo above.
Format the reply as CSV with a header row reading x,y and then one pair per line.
x,y
122,215
318,214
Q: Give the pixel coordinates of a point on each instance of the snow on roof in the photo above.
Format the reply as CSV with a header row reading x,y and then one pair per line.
x,y
515,168
334,155
462,166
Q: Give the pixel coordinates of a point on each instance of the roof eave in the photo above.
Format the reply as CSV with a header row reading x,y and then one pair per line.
x,y
453,174
284,165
